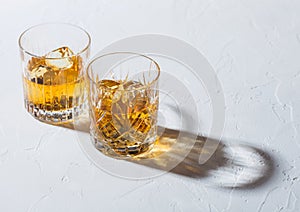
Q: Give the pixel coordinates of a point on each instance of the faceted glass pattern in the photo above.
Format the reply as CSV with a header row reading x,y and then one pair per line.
x,y
123,109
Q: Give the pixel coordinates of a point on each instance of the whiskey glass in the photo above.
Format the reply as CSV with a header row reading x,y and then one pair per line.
x,y
53,57
123,98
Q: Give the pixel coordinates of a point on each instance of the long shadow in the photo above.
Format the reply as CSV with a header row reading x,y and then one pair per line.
x,y
229,165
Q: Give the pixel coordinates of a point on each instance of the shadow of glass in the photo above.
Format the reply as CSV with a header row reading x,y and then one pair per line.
x,y
229,165
81,124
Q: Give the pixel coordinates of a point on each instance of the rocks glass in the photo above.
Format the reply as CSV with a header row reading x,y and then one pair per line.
x,y
53,57
123,98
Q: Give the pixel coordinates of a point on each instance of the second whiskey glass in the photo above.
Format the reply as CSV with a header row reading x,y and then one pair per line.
x,y
123,100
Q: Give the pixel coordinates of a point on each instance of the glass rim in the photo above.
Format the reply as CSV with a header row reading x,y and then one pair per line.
x,y
54,23
132,53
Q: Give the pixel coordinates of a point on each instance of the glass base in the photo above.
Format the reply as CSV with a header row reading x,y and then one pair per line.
x,y
52,117
122,152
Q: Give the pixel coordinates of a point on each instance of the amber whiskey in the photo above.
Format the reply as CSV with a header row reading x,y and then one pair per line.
x,y
53,85
125,116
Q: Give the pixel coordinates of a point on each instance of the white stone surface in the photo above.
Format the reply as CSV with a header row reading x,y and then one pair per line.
x,y
254,47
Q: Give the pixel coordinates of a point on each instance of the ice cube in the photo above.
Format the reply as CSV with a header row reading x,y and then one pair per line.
x,y
134,90
35,62
116,95
60,58
37,73
108,84
66,76
49,78
132,85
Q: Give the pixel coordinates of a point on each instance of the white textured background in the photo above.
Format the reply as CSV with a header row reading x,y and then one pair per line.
x,y
253,45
